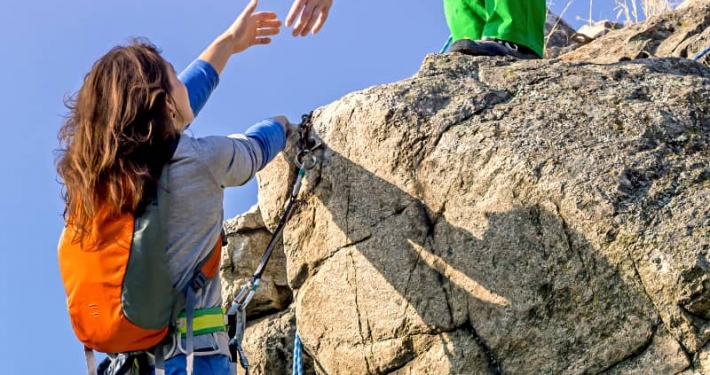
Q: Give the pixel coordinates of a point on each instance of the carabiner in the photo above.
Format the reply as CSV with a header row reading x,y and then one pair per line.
x,y
302,164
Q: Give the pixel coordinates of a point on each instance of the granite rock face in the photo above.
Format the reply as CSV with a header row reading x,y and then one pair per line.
x,y
684,33
491,216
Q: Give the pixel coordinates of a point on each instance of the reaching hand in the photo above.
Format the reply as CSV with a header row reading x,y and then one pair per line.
x,y
289,127
313,14
252,28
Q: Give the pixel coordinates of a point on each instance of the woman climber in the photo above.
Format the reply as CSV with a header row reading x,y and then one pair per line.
x,y
125,124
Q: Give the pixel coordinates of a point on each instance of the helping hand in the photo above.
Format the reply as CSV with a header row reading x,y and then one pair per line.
x,y
251,28
313,16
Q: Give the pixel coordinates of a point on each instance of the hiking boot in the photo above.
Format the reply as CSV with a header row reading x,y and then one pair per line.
x,y
492,47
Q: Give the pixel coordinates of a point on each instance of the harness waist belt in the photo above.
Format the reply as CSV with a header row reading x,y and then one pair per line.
x,y
204,321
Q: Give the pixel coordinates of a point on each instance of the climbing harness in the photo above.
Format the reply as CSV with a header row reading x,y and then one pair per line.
x,y
236,315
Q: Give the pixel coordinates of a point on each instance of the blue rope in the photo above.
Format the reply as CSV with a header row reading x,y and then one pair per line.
x,y
447,44
297,361
701,54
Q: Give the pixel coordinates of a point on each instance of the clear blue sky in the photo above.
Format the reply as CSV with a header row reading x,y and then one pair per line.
x,y
47,46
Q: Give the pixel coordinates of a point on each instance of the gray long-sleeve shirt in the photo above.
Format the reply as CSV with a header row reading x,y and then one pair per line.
x,y
198,173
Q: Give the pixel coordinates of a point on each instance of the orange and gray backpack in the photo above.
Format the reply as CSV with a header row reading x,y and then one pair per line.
x,y
120,294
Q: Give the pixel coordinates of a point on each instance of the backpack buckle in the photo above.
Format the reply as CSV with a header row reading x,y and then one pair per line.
x,y
198,281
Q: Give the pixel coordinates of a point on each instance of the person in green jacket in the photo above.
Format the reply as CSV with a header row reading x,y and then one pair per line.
x,y
478,27
497,27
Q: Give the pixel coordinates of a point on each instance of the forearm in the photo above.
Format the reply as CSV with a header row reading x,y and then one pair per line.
x,y
234,160
200,79
218,53
270,135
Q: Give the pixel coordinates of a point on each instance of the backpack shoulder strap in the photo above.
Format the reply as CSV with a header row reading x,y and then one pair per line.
x,y
208,267
162,189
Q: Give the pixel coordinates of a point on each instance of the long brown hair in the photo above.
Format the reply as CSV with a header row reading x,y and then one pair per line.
x,y
117,134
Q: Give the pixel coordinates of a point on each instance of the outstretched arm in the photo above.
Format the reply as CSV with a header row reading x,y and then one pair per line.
x,y
200,79
235,159
249,29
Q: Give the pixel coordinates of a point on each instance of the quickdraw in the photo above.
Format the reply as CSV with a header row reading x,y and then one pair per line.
x,y
236,315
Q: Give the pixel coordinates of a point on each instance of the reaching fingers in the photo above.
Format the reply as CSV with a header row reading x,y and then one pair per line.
x,y
268,27
305,18
295,9
322,17
311,21
269,23
267,31
250,7
264,16
262,41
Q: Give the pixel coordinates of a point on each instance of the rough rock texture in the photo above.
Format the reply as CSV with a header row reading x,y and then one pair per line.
x,y
689,3
490,216
681,33
598,29
558,35
268,344
663,355
701,362
248,238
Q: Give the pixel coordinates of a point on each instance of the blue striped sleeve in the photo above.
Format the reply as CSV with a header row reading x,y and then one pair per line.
x,y
271,138
200,78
